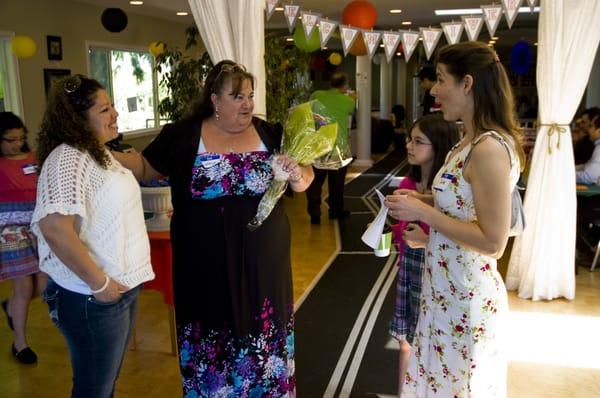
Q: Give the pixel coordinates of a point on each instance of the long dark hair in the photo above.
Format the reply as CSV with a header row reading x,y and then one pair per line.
x,y
443,136
10,121
221,73
493,101
66,120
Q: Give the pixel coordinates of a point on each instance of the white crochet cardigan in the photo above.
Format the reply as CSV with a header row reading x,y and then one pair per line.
x,y
110,219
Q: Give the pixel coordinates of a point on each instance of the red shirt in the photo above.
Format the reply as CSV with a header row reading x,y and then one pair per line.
x,y
18,179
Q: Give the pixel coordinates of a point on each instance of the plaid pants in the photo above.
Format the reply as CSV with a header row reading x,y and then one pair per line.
x,y
408,292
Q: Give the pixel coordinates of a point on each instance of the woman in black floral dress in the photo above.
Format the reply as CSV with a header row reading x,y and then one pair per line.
x,y
233,287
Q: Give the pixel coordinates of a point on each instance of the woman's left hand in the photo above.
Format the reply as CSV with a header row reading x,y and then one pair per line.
x,y
414,236
405,208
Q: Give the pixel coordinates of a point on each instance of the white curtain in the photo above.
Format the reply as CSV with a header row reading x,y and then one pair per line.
x,y
235,30
542,262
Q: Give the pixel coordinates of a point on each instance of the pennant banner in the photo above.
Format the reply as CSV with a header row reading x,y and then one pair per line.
x,y
532,4
452,31
431,37
371,38
473,26
326,29
271,4
348,34
511,9
492,16
390,43
291,13
309,21
409,43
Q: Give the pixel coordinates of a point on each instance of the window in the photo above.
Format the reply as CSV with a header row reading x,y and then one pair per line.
x,y
10,85
132,83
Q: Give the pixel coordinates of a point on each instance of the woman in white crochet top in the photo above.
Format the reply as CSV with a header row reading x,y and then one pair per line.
x,y
92,237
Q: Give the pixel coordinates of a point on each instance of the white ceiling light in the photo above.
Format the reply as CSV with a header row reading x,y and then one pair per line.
x,y
467,11
278,8
182,13
406,23
136,3
395,11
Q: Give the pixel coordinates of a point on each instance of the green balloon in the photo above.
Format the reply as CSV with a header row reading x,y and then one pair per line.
x,y
312,44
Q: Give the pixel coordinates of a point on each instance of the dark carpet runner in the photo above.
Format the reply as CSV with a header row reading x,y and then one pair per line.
x,y
336,354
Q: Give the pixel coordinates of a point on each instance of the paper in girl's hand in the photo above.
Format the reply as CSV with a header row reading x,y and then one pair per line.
x,y
372,235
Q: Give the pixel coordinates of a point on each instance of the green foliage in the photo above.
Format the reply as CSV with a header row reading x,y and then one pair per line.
x,y
183,77
288,77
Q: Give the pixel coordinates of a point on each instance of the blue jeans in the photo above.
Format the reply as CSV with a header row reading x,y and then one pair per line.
x,y
97,335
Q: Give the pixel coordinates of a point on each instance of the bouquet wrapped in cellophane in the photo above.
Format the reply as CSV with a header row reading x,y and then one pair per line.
x,y
309,132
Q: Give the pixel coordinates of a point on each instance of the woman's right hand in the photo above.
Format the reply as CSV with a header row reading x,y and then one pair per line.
x,y
112,293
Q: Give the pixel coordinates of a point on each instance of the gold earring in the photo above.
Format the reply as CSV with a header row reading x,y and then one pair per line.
x,y
217,116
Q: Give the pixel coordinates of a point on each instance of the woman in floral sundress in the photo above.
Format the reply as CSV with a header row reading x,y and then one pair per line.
x,y
459,349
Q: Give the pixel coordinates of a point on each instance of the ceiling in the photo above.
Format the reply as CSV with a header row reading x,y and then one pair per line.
x,y
419,12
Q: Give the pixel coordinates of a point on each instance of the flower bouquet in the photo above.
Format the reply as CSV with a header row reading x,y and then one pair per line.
x,y
309,132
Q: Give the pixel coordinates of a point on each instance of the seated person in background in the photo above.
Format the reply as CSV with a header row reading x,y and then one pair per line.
x,y
583,146
589,172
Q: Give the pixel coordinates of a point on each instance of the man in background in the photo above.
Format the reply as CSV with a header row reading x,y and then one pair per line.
x,y
427,79
340,105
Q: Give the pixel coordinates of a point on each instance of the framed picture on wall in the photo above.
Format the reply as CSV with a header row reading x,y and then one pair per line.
x,y
54,44
52,75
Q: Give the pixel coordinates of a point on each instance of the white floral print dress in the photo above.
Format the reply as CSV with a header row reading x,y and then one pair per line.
x,y
458,349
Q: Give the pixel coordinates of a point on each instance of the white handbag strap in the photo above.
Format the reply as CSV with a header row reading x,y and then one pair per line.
x,y
497,136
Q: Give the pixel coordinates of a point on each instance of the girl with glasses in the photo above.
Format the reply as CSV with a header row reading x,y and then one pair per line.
x,y
427,144
18,246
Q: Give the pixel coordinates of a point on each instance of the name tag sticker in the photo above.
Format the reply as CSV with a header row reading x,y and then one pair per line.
x,y
29,168
208,160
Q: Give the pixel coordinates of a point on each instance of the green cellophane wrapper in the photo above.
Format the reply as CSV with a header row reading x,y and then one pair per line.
x,y
309,133
339,156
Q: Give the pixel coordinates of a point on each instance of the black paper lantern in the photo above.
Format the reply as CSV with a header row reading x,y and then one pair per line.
x,y
114,19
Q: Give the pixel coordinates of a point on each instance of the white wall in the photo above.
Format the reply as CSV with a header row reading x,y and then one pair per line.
x,y
75,23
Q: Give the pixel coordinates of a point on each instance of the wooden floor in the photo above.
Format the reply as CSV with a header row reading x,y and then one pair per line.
x,y
567,364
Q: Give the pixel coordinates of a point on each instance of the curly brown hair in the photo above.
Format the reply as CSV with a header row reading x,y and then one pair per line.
x,y
66,120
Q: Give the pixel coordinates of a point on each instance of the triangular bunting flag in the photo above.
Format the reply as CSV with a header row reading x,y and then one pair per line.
x,y
532,4
492,15
348,36
452,31
473,26
390,43
309,21
291,13
371,38
409,42
326,29
271,4
511,9
431,37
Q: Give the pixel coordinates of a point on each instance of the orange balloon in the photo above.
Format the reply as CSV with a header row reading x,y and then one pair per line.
x,y
358,48
360,14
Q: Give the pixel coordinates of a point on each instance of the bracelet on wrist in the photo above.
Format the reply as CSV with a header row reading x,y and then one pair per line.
x,y
103,288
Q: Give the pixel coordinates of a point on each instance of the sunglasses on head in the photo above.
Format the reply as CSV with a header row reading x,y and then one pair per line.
x,y
71,84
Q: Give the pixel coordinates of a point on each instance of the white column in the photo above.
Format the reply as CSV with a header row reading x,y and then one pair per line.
x,y
385,87
400,82
363,116
592,98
